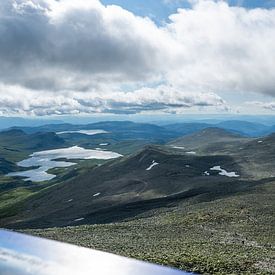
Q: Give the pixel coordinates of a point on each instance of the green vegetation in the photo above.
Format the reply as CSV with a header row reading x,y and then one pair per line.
x,y
16,145
234,235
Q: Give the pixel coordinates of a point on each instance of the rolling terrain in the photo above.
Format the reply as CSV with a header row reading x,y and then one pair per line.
x,y
210,140
15,144
128,129
120,130
201,202
230,235
245,128
120,183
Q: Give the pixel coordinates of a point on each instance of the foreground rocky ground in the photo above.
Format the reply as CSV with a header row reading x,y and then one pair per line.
x,y
232,235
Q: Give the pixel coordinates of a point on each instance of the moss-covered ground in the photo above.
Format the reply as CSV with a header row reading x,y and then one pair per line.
x,y
233,235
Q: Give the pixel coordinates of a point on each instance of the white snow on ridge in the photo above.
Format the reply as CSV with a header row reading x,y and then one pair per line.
x,y
224,172
191,153
96,194
103,144
178,147
78,220
206,173
152,165
84,132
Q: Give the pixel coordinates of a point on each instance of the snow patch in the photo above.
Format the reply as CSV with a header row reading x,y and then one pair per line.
x,y
152,165
178,147
78,220
206,173
96,194
191,153
224,172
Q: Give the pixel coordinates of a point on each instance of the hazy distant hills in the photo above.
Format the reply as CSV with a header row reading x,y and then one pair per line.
x,y
251,129
209,136
7,122
128,129
119,130
16,145
18,138
248,128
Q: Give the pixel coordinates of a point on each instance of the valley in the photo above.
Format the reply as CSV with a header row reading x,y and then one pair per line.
x,y
202,201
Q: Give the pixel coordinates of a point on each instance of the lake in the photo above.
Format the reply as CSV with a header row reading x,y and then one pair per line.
x,y
45,160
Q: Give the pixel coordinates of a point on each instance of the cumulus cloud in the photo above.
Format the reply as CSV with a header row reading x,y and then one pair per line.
x,y
60,44
162,98
225,48
74,56
149,99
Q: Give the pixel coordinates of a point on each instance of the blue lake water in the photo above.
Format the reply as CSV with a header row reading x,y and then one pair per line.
x,y
48,159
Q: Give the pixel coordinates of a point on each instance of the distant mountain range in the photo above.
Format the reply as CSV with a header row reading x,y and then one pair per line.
x,y
242,127
145,130
7,122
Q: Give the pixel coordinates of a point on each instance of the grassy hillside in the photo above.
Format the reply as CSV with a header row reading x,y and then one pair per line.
x,y
120,183
16,144
6,166
210,141
131,185
232,235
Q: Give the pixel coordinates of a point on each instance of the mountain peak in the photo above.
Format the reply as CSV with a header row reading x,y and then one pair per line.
x,y
206,137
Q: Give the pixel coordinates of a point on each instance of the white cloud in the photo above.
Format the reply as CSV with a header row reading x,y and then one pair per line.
x,y
265,105
62,44
162,98
225,48
75,56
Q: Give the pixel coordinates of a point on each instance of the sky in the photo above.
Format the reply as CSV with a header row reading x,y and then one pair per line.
x,y
159,10
139,57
